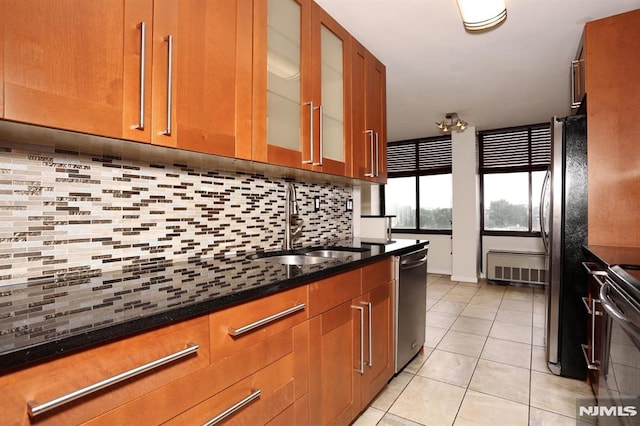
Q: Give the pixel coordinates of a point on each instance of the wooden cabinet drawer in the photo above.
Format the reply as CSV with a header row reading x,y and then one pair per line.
x,y
377,274
272,311
46,381
266,393
194,396
330,292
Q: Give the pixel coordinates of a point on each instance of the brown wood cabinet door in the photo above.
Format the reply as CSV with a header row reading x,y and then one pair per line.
x,y
376,115
138,36
331,88
3,13
379,367
613,150
334,386
282,83
369,130
206,49
359,163
64,64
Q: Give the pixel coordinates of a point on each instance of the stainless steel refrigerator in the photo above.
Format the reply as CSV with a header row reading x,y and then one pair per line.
x,y
564,230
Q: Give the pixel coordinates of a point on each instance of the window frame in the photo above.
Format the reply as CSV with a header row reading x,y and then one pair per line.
x,y
529,169
416,173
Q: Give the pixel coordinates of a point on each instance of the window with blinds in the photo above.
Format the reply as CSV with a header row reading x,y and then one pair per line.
x,y
419,189
417,157
524,148
513,165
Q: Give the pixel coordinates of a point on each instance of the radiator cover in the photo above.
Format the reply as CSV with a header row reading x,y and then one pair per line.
x,y
517,266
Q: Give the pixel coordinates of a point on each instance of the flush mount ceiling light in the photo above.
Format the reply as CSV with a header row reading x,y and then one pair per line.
x,y
479,15
454,123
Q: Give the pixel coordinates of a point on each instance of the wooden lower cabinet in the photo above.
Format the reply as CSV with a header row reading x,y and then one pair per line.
x,y
351,348
380,363
322,370
46,381
334,382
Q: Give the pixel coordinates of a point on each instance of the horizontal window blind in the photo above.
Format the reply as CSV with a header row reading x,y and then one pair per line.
x,y
419,156
522,147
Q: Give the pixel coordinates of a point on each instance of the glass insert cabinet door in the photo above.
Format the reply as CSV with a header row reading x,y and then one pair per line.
x,y
332,85
284,74
304,112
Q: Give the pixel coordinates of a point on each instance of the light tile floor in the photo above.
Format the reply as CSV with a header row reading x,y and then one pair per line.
x,y
483,364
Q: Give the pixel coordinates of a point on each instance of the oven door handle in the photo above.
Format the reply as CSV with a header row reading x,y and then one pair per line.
x,y
612,309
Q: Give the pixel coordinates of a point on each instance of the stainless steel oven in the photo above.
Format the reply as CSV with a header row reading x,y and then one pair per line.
x,y
619,373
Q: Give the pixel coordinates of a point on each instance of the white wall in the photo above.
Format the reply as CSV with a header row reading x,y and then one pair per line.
x,y
439,251
466,215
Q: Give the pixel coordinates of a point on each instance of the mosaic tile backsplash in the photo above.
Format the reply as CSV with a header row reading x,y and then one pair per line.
x,y
63,213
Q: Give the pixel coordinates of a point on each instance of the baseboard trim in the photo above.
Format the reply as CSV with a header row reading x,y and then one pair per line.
x,y
464,279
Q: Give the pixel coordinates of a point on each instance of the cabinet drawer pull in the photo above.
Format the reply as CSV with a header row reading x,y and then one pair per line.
x,y
143,54
361,309
169,40
590,366
585,300
592,269
370,133
36,409
249,327
255,393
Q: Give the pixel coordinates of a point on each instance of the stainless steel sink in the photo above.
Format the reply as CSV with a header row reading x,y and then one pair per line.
x,y
329,253
294,259
312,256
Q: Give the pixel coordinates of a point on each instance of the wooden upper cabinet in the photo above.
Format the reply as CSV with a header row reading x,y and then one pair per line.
x,y
301,87
63,64
206,81
376,115
282,107
3,13
613,99
331,84
369,127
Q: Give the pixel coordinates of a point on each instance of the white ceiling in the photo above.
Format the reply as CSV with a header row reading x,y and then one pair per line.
x,y
513,75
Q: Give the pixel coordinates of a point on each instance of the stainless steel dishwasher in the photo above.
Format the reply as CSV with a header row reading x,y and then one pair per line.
x,y
410,304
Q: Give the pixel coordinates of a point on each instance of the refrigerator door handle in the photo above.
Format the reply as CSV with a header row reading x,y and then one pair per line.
x,y
543,194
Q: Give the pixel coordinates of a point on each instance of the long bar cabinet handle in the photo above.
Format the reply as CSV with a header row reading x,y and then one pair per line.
x,y
143,54
377,154
370,133
590,365
574,64
255,393
361,309
35,409
368,305
257,324
311,131
169,40
321,142
594,313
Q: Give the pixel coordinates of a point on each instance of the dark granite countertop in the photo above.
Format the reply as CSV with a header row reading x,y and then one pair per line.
x,y
47,317
612,255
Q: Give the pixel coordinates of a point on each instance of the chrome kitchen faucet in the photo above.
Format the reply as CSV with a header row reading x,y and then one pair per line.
x,y
291,231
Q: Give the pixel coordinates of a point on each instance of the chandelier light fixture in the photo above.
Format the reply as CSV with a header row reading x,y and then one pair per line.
x,y
479,15
455,123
